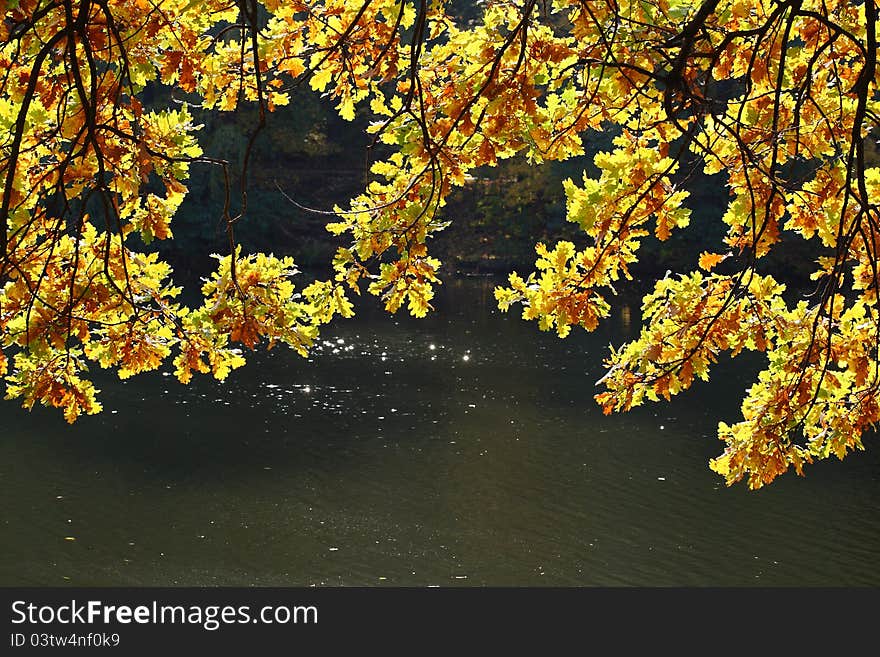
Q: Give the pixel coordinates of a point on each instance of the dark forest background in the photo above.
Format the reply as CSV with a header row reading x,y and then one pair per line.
x,y
320,160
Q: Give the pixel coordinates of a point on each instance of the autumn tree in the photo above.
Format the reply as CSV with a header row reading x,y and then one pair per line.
x,y
779,96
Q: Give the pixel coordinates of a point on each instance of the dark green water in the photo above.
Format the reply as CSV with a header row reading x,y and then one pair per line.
x,y
480,460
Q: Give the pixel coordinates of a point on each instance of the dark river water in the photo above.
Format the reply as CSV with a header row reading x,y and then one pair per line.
x,y
463,449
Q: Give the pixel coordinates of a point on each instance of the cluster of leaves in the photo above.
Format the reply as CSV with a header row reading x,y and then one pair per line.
x,y
79,145
779,95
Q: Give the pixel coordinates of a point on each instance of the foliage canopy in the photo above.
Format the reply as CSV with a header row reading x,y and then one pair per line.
x,y
780,96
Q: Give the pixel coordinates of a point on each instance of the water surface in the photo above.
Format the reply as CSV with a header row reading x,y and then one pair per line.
x,y
463,449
